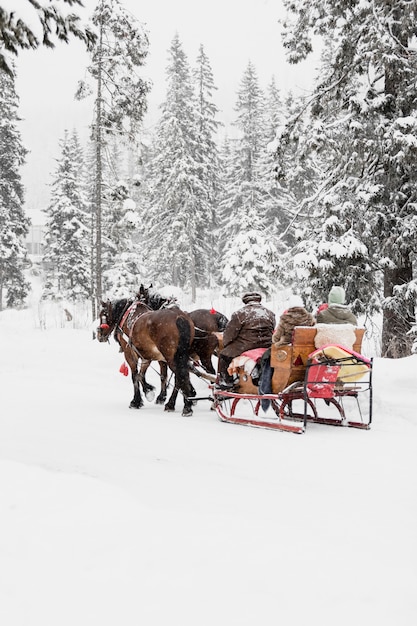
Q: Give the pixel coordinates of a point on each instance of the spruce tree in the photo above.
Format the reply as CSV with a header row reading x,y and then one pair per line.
x,y
120,99
19,33
66,254
14,225
247,259
368,84
173,220
209,164
122,265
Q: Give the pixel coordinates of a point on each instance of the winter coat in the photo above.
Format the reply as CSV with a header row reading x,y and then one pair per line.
x,y
249,327
295,316
336,314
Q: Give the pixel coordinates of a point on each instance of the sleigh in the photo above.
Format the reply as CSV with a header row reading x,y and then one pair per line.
x,y
327,385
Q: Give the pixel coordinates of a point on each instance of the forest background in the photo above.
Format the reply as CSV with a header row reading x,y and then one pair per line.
x,y
305,192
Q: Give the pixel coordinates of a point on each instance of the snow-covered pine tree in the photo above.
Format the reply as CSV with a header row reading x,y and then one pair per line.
x,y
122,266
370,82
66,252
172,221
120,96
327,246
247,259
277,202
33,23
14,225
207,156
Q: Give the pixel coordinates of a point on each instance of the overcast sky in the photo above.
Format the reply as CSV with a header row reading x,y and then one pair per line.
x,y
233,32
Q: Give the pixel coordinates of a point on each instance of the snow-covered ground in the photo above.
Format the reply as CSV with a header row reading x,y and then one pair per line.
x,y
118,517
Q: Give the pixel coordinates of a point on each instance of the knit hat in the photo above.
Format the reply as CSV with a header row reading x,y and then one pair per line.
x,y
294,301
336,295
251,297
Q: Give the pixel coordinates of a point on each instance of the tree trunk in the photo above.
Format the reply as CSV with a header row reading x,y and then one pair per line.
x,y
397,320
1,290
398,314
193,280
99,176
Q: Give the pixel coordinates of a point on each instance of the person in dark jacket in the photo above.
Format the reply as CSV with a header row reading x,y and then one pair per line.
x,y
336,311
249,327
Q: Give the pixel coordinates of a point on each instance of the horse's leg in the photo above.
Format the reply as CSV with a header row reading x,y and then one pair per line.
x,y
170,405
164,383
183,384
180,366
137,401
148,389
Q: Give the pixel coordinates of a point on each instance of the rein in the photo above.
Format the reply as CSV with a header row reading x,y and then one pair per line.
x,y
202,330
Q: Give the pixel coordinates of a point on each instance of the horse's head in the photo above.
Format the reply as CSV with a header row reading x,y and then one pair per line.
x,y
106,322
110,316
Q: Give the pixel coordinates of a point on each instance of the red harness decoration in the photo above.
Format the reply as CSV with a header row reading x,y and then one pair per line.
x,y
124,369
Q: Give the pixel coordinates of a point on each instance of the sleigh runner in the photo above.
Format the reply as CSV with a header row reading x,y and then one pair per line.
x,y
328,385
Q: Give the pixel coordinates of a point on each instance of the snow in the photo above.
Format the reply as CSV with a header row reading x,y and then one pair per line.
x,y
116,516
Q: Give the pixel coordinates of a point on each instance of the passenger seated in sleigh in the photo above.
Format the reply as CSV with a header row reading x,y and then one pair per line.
x,y
294,315
250,327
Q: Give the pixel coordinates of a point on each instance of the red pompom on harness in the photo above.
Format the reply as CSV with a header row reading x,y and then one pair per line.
x,y
213,311
124,369
104,326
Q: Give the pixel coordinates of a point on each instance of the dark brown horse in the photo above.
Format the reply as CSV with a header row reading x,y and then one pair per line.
x,y
145,335
207,322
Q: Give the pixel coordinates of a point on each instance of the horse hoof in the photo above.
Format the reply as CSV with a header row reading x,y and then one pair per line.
x,y
160,400
168,408
132,405
187,412
150,395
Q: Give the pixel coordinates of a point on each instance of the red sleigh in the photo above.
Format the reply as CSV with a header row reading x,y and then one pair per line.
x,y
331,385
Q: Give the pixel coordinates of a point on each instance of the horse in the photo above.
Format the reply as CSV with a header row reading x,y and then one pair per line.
x,y
165,336
207,322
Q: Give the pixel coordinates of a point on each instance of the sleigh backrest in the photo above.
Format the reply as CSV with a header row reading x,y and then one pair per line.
x,y
289,361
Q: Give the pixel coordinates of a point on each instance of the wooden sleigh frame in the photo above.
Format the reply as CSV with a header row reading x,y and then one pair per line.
x,y
308,385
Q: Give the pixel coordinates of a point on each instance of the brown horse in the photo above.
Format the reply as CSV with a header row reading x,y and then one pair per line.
x,y
207,322
147,335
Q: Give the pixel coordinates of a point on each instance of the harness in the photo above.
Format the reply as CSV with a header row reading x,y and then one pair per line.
x,y
130,317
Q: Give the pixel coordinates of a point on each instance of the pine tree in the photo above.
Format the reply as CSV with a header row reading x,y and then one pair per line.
x,y
173,221
122,263
246,263
66,252
369,86
17,33
14,225
120,98
207,156
277,201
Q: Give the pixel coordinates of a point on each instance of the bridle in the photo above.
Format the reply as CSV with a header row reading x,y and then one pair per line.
x,y
105,326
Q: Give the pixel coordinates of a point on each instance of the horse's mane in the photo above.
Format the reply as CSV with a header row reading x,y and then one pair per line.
x,y
157,301
118,307
222,321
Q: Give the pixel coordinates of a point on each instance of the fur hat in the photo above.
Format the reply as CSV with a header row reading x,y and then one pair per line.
x,y
336,295
251,297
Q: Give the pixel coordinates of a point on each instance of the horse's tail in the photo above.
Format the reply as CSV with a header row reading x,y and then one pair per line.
x,y
182,353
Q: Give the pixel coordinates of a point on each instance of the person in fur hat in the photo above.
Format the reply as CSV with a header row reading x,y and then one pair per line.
x,y
249,327
294,315
336,311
